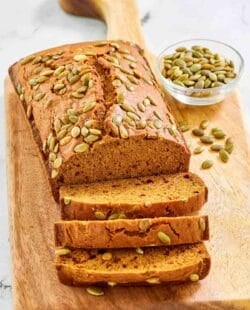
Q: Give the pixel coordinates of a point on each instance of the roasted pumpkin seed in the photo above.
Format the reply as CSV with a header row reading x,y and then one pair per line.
x,y
95,291
164,238
224,156
207,139
207,164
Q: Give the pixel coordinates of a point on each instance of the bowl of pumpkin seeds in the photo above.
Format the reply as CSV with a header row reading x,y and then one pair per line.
x,y
200,71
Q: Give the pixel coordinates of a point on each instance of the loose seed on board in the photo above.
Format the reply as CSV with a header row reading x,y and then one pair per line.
x,y
82,147
198,150
216,147
219,134
95,291
207,164
207,139
198,132
224,156
229,145
204,124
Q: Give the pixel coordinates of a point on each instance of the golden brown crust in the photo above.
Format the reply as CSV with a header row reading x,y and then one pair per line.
x,y
174,195
131,233
156,266
108,89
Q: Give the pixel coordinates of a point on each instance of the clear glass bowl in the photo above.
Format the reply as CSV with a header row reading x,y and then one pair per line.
x,y
196,96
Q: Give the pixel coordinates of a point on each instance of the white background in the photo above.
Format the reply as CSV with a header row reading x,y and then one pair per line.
x,y
28,26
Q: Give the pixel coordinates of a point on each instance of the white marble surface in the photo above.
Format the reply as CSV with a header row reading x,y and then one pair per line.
x,y
28,26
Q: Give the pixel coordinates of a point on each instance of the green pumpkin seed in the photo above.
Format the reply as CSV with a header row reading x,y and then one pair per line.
x,y
202,224
207,139
84,131
123,132
204,124
194,277
229,145
114,216
99,215
199,84
127,107
62,251
95,291
198,132
65,140
75,131
58,86
216,147
57,163
120,98
207,164
88,106
164,238
198,150
91,138
80,57
82,147
139,251
184,127
219,134
66,200
224,156
39,96
153,280
195,67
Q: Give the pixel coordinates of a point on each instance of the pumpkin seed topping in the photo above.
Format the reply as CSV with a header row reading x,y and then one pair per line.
x,y
164,238
82,147
202,224
194,277
107,256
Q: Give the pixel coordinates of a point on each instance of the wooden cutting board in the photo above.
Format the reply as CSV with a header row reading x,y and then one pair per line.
x,y
32,211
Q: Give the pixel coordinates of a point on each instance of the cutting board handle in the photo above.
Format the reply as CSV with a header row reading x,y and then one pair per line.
x,y
113,12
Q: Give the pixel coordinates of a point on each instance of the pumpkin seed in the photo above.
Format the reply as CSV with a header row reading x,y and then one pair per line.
x,y
88,106
80,57
198,132
194,277
57,163
47,72
113,216
207,164
153,280
202,224
27,59
144,225
157,124
112,284
216,147
39,96
123,132
127,107
195,67
224,156
120,98
75,131
204,124
58,86
141,107
139,251
164,238
77,95
65,140
219,134
198,150
82,147
66,200
99,215
184,127
207,139
84,131
107,256
62,251
229,145
95,291
133,116
91,138
59,70
54,173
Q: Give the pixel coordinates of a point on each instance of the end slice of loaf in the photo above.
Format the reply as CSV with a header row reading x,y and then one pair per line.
x,y
125,266
154,196
131,233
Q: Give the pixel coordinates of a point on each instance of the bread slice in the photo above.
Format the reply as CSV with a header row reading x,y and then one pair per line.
x,y
154,196
125,266
131,232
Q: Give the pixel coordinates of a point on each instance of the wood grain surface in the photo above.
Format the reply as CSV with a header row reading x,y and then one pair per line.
x,y
32,211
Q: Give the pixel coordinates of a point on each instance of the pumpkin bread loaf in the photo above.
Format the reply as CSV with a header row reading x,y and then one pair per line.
x,y
154,196
131,233
128,266
97,113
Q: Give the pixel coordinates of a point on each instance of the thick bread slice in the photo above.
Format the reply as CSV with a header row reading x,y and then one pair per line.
x,y
131,233
154,196
156,265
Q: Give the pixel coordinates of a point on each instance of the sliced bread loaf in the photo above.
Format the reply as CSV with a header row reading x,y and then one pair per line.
x,y
123,266
131,232
154,196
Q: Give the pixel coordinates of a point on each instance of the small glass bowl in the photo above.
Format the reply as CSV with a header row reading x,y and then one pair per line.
x,y
201,96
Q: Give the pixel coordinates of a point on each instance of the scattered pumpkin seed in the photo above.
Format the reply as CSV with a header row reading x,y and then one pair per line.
x,y
219,134
99,215
198,150
207,164
207,139
153,280
107,256
95,291
198,132
57,163
88,106
229,145
216,147
224,156
204,124
184,127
